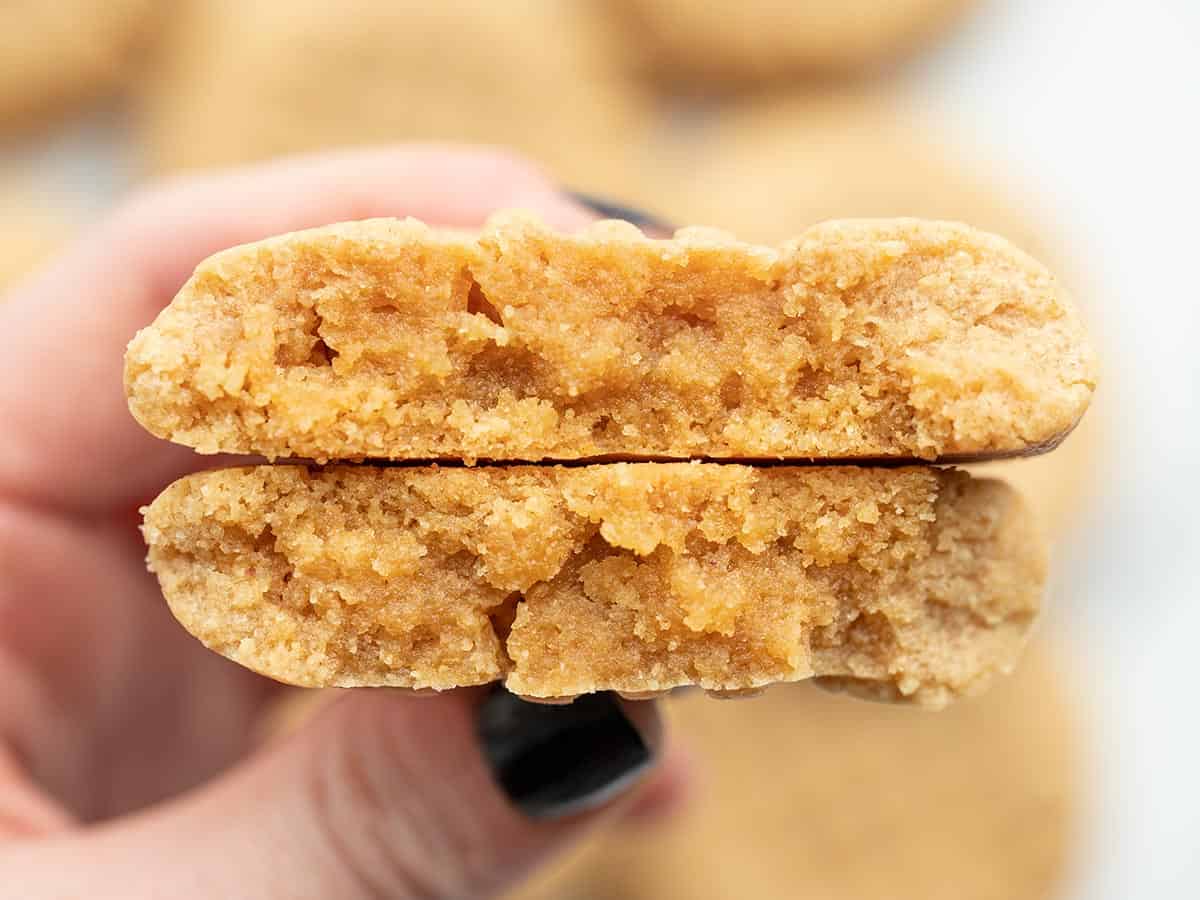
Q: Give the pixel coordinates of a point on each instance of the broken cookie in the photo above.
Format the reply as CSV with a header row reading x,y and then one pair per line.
x,y
386,339
908,583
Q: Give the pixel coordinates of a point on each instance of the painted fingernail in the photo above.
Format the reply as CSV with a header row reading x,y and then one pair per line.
x,y
609,209
556,761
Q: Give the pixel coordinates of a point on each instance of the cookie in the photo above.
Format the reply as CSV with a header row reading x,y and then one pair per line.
x,y
1062,487
910,583
239,82
803,794
386,339
773,167
722,42
54,56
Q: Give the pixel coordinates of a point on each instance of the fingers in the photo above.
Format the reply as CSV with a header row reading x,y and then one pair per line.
x,y
25,810
667,791
381,795
107,701
556,761
68,439
189,219
605,207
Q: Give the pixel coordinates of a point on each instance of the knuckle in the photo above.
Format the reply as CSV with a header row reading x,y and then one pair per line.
x,y
509,165
137,214
342,799
381,815
505,170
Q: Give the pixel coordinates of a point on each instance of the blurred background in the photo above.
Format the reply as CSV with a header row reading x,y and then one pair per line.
x,y
1067,126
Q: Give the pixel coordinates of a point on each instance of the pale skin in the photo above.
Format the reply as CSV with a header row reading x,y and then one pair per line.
x,y
131,758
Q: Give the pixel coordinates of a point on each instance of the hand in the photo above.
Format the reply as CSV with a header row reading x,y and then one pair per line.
x,y
128,764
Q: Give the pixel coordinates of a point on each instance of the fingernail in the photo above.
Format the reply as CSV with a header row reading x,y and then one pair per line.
x,y
648,222
556,761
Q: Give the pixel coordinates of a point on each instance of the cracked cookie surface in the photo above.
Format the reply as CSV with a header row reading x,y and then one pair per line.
x,y
387,339
915,584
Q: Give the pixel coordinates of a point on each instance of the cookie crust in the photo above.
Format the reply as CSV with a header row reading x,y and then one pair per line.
x,y
861,339
905,584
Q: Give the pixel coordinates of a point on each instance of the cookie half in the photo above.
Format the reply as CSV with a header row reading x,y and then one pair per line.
x,y
388,339
909,583
774,166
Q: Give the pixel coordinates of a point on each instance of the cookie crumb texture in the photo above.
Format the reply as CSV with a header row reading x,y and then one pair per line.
x,y
387,339
910,584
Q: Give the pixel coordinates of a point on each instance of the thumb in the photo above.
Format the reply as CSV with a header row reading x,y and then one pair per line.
x,y
382,794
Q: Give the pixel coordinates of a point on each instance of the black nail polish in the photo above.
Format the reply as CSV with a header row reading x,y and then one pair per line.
x,y
555,761
611,210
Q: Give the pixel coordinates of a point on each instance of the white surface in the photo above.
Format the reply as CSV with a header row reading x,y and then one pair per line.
x,y
81,168
1095,105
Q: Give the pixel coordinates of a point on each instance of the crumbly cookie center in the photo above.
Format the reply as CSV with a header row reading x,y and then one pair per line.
x,y
534,346
629,577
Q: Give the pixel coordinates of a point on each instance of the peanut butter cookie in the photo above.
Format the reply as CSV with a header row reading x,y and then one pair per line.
x,y
240,82
727,42
54,55
911,583
773,167
387,339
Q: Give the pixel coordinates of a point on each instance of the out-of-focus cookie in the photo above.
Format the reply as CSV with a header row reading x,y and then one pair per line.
x,y
768,169
1060,487
723,41
57,53
808,795
245,81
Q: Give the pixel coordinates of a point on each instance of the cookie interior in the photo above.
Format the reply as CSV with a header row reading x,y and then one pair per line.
x,y
912,584
864,339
